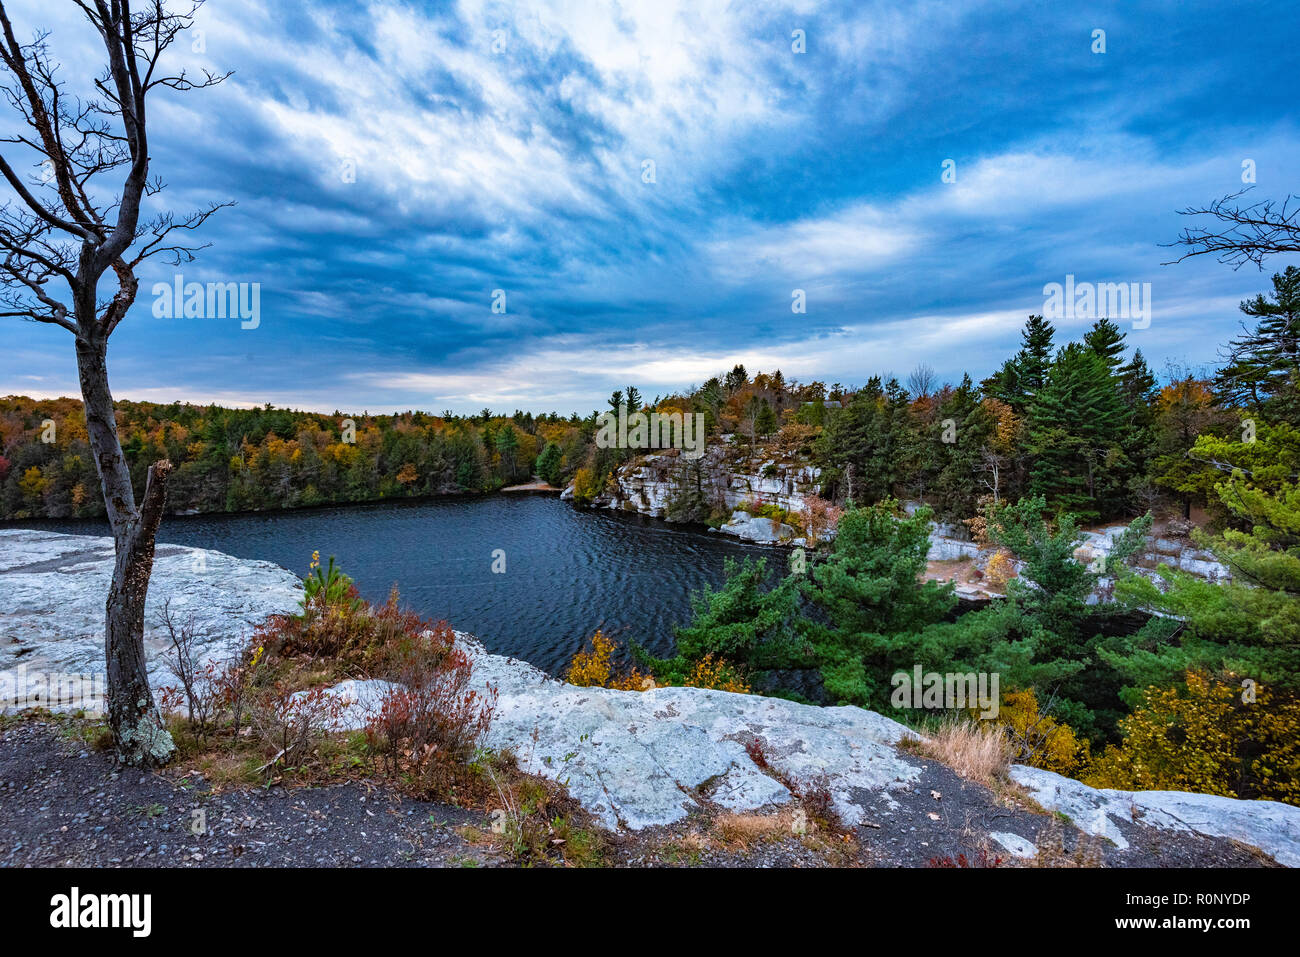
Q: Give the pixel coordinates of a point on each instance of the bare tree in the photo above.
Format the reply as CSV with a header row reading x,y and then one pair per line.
x,y
75,217
990,468
1243,233
921,381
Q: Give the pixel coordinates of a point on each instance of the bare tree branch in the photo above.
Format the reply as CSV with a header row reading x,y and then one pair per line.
x,y
1243,233
54,228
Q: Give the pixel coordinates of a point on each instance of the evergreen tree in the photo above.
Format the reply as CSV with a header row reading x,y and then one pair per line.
x,y
549,463
1106,341
507,445
1053,590
1076,436
1263,368
1021,378
955,488
866,593
744,623
863,448
1249,627
765,423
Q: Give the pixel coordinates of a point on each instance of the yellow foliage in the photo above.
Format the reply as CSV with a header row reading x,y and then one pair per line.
x,y
1038,740
716,674
594,669
999,569
33,483
591,669
586,484
1004,436
1204,738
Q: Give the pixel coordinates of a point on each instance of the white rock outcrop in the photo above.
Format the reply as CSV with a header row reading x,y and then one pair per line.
x,y
1269,825
731,477
55,586
755,528
649,757
634,759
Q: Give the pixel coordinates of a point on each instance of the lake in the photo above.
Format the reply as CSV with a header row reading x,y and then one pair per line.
x,y
567,571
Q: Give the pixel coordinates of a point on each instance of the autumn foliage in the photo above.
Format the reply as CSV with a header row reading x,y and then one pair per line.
x,y
592,667
1204,737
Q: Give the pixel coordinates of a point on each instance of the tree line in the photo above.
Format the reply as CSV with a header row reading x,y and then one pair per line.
x,y
1083,425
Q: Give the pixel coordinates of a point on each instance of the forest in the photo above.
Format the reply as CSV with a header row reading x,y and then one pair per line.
x,y
1086,425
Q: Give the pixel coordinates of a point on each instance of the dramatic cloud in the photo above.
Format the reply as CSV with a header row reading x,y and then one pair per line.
x,y
395,165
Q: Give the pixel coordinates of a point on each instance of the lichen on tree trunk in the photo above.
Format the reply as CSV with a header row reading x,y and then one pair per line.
x,y
138,732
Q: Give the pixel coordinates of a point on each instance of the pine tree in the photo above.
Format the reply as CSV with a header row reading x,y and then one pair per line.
x,y
1023,376
1035,356
871,436
955,489
765,423
745,623
1137,384
1106,341
867,592
549,463
1075,436
1137,390
1248,627
1262,373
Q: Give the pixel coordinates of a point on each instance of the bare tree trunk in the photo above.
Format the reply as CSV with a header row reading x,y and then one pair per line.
x,y
75,228
138,732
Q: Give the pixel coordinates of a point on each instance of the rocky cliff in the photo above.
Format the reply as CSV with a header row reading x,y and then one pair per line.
x,y
732,478
640,760
727,476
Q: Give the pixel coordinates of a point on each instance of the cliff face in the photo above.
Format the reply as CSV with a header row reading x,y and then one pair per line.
x,y
726,474
725,477
729,476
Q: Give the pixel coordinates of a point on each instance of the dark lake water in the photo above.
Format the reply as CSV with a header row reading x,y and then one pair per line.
x,y
567,571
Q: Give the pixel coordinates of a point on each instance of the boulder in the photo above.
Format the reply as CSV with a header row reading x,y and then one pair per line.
x,y
763,531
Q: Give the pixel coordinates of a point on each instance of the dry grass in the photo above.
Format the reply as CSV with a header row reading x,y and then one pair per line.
x,y
978,751
694,841
745,830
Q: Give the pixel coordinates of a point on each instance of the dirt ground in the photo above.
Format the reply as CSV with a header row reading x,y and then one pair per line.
x,y
62,804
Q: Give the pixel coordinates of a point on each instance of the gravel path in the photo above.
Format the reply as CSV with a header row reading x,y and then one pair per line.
x,y
62,805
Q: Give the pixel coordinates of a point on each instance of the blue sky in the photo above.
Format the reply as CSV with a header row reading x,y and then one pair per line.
x,y
501,146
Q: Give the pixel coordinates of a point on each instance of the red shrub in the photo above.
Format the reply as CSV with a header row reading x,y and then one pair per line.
x,y
434,721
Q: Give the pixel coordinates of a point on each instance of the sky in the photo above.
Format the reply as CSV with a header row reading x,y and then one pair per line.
x,y
399,169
